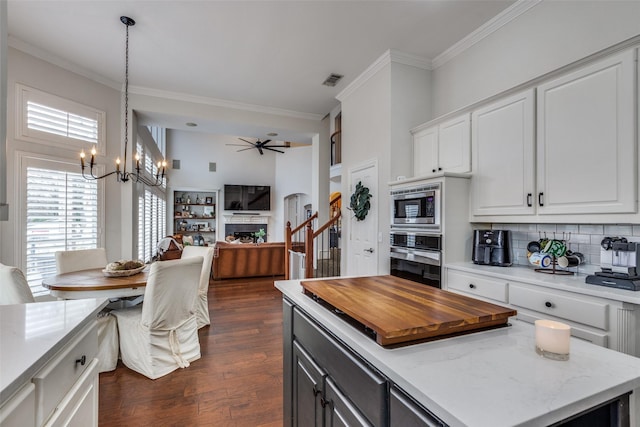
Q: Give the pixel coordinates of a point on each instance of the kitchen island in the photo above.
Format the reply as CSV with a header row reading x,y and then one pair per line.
x,y
488,378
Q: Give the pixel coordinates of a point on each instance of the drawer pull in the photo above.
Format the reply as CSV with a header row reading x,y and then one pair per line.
x,y
82,360
315,391
324,403
472,286
548,304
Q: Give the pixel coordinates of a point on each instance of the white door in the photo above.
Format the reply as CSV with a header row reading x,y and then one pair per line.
x,y
586,139
292,210
503,157
363,244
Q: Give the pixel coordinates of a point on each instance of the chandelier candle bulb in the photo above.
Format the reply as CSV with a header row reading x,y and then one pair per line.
x,y
118,164
82,159
552,339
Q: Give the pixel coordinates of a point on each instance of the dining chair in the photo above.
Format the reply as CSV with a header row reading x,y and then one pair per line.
x,y
108,341
14,288
202,302
81,259
161,335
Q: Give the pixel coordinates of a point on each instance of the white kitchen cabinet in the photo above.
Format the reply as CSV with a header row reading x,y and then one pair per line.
x,y
503,153
445,147
19,410
605,322
586,139
566,147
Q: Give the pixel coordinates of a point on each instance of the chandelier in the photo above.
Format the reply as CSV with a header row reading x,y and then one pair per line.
x,y
123,175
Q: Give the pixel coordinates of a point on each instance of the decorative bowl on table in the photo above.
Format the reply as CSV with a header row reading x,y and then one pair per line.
x,y
123,268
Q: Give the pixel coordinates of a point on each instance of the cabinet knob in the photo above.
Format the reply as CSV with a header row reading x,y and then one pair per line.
x,y
472,286
439,169
82,360
433,170
315,391
548,304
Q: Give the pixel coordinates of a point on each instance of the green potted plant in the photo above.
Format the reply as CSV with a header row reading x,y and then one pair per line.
x,y
260,235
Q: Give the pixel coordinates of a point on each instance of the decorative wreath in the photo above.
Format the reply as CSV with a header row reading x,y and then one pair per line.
x,y
360,203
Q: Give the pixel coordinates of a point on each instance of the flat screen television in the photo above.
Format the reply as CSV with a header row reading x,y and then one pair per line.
x,y
247,197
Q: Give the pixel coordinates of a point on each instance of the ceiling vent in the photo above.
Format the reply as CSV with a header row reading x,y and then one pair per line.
x,y
332,80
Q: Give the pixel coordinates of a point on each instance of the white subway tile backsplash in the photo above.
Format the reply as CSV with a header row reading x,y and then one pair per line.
x,y
596,239
636,230
567,228
580,238
533,227
549,228
591,229
618,230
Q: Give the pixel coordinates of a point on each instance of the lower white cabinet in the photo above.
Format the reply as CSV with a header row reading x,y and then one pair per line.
x,y
64,392
604,322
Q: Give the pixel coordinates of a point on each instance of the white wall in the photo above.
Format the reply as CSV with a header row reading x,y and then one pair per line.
x,y
44,76
548,36
293,176
376,118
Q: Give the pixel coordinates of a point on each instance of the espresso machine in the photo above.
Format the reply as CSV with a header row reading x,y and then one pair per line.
x,y
492,247
619,264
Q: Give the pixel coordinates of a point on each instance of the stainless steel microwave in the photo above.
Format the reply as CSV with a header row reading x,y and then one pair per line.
x,y
416,205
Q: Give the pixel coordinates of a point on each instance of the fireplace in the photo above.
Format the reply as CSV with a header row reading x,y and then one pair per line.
x,y
244,232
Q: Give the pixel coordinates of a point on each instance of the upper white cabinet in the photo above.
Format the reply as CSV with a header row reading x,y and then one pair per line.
x,y
586,147
445,147
503,156
566,147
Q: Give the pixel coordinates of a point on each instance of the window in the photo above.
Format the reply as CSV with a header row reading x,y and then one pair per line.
x,y
51,120
152,223
61,212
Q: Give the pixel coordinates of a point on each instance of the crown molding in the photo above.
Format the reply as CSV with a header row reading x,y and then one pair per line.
x,y
503,18
67,65
385,59
196,99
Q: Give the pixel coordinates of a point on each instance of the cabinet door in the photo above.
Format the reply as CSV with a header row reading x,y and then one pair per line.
x,y
19,410
308,389
503,157
454,145
586,148
425,152
340,412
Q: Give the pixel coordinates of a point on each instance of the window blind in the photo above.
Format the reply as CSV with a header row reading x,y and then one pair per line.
x,y
59,122
61,214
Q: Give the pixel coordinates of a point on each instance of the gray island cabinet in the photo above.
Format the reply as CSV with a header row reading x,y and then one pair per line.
x,y
336,375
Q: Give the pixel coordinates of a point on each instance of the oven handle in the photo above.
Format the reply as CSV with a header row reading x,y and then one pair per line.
x,y
423,257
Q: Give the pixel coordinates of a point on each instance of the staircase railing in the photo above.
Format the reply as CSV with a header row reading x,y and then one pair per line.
x,y
294,241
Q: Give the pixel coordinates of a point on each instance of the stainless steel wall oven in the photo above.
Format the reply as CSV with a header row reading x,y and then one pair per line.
x,y
415,255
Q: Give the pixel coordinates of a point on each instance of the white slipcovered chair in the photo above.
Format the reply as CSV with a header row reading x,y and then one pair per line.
x,y
202,302
14,288
162,335
82,259
108,342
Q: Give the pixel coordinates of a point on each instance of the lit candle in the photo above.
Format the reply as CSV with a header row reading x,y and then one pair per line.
x,y
552,339
118,164
137,162
164,167
93,156
82,159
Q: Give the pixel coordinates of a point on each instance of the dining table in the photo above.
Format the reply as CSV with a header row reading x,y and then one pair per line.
x,y
95,283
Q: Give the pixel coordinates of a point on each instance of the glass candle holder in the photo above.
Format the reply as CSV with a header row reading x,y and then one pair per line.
x,y
552,339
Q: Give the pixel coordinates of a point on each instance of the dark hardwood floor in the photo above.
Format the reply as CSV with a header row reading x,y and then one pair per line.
x,y
237,382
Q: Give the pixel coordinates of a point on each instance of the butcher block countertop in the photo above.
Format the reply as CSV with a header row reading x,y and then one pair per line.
x,y
487,378
398,311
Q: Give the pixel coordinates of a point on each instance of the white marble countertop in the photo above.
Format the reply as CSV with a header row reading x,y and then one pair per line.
x,y
575,283
30,334
492,378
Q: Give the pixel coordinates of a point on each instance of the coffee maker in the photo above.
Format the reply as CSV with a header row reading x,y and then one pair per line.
x,y
619,264
492,247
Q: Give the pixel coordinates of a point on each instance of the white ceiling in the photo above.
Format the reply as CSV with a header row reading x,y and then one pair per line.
x,y
263,53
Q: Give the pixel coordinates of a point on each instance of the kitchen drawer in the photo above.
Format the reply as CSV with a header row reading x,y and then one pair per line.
x,y
360,384
61,373
79,408
565,306
495,289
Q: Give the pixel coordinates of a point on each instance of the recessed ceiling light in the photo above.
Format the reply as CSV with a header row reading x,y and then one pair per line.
x,y
272,134
191,124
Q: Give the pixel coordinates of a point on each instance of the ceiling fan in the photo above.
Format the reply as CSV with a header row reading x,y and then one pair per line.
x,y
260,146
